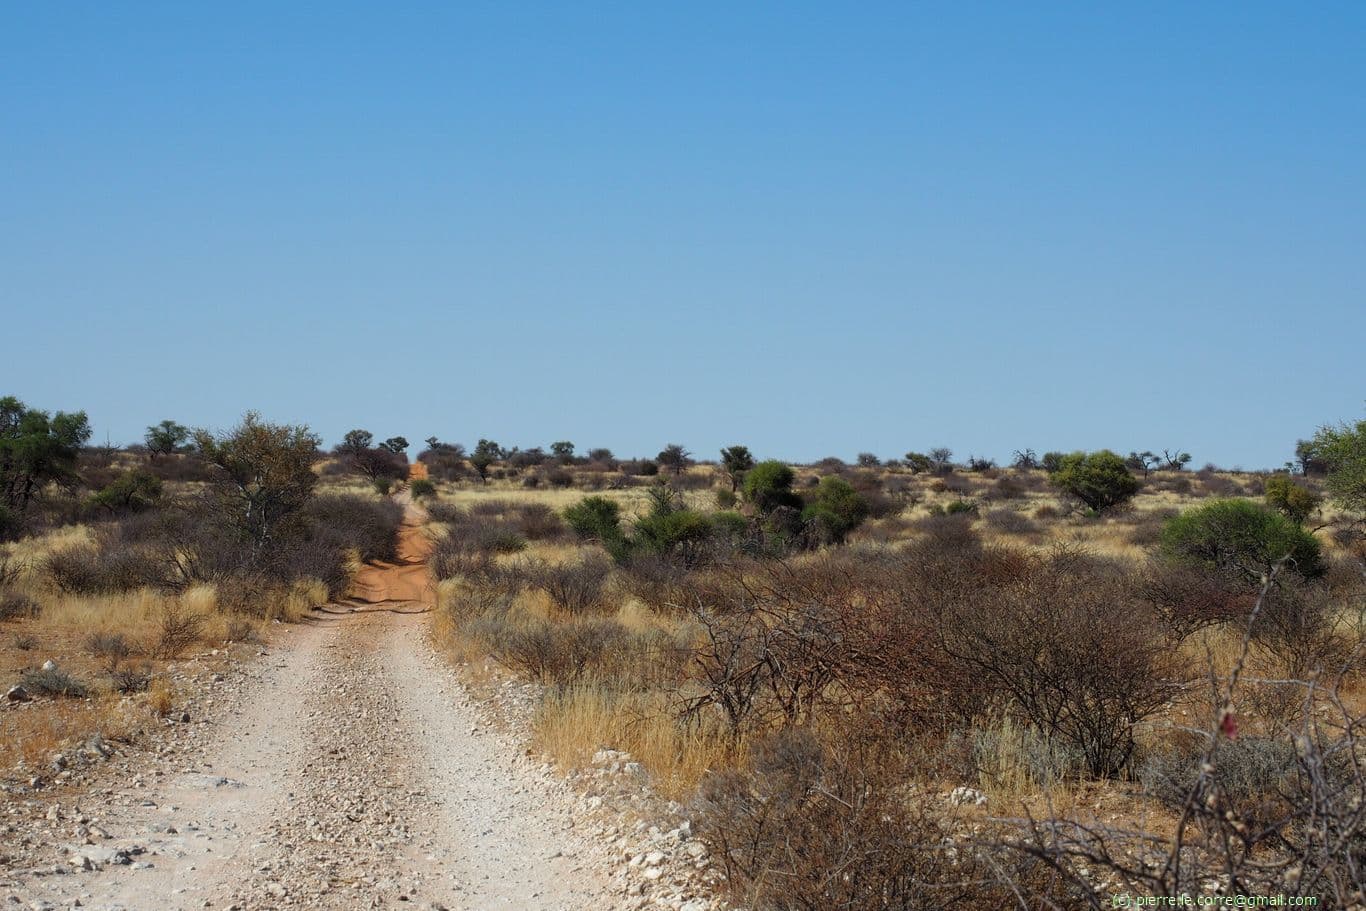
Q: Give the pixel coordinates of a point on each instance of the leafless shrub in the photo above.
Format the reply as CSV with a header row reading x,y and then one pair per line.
x,y
17,606
89,570
25,642
566,653
538,522
815,826
1249,822
240,630
575,588
179,629
1012,522
10,570
1187,599
53,682
1072,649
129,680
112,647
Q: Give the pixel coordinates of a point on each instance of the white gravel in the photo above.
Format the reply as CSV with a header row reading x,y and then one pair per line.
x,y
348,770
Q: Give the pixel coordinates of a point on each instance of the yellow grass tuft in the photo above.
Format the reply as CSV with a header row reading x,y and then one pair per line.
x,y
574,723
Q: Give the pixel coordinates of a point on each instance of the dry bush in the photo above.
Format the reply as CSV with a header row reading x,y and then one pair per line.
x,y
129,680
481,588
1280,816
538,522
1011,522
92,571
18,606
114,648
1187,599
53,682
575,588
563,653
1007,487
178,629
1069,645
818,825
10,570
660,584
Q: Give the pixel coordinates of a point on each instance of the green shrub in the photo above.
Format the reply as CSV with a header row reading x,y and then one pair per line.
x,y
836,509
595,519
1292,500
726,499
1099,479
961,508
768,486
422,487
1242,536
133,491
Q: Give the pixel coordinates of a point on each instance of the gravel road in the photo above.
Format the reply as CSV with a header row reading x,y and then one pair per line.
x,y
347,769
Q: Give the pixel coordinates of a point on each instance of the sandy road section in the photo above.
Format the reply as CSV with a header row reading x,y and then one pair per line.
x,y
354,773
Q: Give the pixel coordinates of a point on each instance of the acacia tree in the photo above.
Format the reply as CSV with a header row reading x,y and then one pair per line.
x,y
1341,450
166,438
35,450
486,452
1144,461
673,457
265,473
735,461
356,441
1099,479
395,445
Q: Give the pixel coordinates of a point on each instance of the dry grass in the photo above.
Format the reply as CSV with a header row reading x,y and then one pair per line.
x,y
574,723
33,734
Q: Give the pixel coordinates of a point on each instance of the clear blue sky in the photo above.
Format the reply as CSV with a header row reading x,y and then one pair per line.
x,y
812,228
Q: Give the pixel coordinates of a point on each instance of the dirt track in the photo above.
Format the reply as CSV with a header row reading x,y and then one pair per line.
x,y
355,774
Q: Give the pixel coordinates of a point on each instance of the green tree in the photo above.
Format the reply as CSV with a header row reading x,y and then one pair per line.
x,y
1294,501
735,461
356,442
486,452
132,491
265,473
1342,452
768,486
35,450
1099,479
836,509
919,463
562,450
395,445
1052,461
166,438
1240,535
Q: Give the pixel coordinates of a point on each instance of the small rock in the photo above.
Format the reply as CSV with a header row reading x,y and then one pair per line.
x,y
17,694
49,665
964,795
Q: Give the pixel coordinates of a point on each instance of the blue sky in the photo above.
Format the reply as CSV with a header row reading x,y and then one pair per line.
x,y
813,228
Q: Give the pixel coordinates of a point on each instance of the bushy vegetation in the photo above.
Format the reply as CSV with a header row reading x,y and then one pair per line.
x,y
1242,536
1101,480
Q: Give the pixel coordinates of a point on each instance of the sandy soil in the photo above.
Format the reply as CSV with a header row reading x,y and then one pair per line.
x,y
349,770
